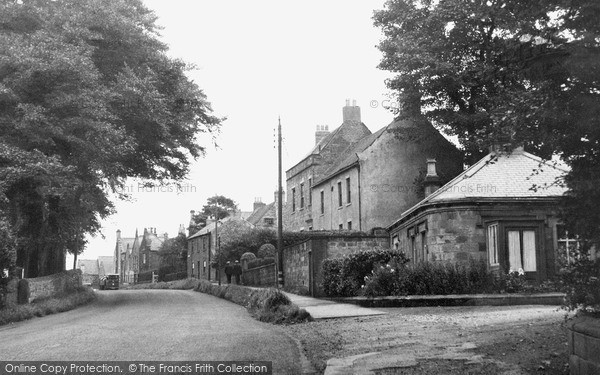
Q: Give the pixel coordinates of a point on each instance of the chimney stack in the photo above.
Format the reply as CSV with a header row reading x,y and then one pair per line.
x,y
258,204
118,234
432,180
351,113
322,132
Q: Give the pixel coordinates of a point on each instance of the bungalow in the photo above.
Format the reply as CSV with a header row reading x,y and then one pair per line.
x,y
503,210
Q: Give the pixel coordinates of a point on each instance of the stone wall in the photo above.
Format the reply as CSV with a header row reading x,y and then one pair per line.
x,y
48,286
302,261
260,276
584,346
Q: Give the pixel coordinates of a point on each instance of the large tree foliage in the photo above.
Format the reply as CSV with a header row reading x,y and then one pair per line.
x,y
217,207
505,71
88,97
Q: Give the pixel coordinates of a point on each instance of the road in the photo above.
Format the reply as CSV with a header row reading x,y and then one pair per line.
x,y
145,325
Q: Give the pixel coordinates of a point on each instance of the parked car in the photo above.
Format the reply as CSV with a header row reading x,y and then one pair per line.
x,y
109,282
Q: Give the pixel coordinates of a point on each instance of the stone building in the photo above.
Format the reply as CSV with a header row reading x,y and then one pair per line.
x,y
203,246
357,180
149,260
503,209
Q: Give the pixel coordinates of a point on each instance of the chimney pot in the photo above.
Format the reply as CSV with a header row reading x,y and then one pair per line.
x,y
432,180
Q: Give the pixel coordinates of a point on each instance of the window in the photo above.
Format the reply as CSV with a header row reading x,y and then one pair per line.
x,y
349,225
339,186
322,202
395,243
269,221
301,196
341,226
348,195
492,244
310,191
568,243
293,199
417,236
144,258
521,249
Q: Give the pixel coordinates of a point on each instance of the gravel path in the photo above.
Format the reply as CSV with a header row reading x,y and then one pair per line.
x,y
440,340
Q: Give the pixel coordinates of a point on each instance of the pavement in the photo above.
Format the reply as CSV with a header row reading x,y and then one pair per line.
x,y
325,309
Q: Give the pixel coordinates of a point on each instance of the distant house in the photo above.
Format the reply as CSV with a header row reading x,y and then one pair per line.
x,y
503,210
89,272
357,180
94,269
264,215
122,257
149,259
203,245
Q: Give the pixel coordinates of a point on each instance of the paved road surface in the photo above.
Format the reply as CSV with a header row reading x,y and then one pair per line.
x,y
133,325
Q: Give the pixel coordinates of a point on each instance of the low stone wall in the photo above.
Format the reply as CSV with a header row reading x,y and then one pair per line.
x,y
584,346
260,276
302,261
51,285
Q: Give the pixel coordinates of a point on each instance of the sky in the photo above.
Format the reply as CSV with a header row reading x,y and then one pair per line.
x,y
258,61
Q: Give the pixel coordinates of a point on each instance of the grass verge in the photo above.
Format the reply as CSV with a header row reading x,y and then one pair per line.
x,y
47,306
177,284
267,305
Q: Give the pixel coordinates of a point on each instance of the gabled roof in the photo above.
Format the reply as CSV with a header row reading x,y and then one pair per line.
x,y
500,176
211,226
262,212
348,131
125,242
155,241
350,155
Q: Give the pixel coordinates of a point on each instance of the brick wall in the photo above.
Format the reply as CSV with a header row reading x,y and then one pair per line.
x,y
260,276
48,286
302,261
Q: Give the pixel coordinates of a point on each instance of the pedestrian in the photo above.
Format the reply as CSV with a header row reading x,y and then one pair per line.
x,y
237,271
228,271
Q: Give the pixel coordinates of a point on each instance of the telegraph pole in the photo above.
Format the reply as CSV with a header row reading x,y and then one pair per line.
x,y
279,212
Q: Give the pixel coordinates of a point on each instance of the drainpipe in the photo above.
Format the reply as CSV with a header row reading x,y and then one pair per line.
x,y
359,198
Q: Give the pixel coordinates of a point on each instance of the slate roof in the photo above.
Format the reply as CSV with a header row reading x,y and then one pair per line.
x,y
349,156
262,212
211,226
90,266
155,241
501,176
125,242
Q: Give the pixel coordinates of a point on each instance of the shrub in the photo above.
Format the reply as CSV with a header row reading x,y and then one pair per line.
x,y
427,278
346,276
267,305
46,306
247,256
177,284
267,251
581,282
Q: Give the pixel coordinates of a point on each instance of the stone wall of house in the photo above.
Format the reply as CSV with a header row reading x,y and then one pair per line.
x,y
260,276
303,261
335,214
51,285
584,346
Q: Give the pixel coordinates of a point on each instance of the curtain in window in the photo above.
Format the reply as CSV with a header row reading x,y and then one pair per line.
x,y
514,250
529,251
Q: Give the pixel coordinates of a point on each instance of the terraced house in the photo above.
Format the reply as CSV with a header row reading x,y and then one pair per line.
x,y
354,179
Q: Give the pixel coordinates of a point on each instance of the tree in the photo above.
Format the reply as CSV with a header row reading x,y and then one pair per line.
x,y
219,207
173,255
88,97
505,71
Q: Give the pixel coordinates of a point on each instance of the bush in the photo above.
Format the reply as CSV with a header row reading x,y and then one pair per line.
x,y
437,278
267,251
177,284
346,276
259,262
247,256
46,306
267,305
581,282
